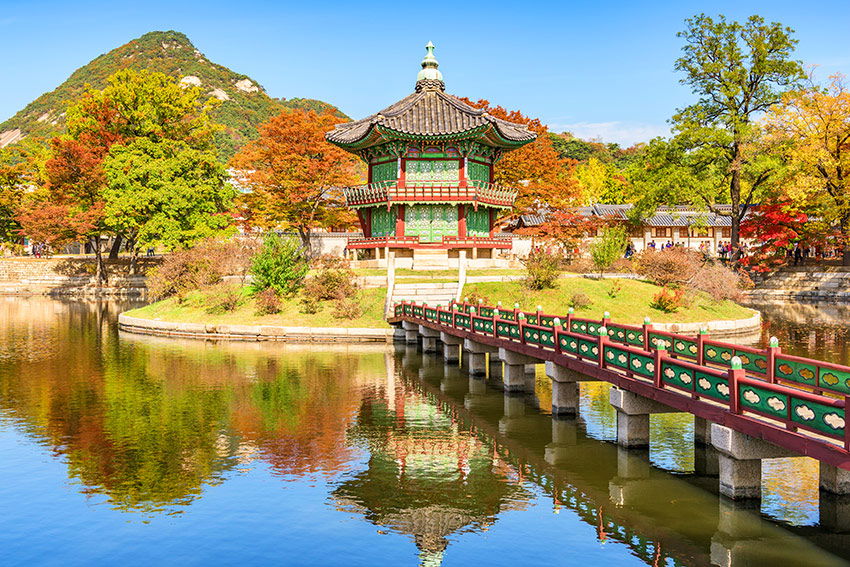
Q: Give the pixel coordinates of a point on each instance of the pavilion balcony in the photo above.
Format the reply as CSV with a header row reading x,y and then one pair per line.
x,y
391,192
414,242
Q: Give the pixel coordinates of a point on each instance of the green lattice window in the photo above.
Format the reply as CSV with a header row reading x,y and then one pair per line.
x,y
478,222
383,221
419,171
430,222
385,171
478,171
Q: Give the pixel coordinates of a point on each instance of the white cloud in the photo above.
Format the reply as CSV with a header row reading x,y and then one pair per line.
x,y
623,133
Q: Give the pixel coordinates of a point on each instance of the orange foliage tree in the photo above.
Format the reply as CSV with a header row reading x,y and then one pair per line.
x,y
295,175
545,180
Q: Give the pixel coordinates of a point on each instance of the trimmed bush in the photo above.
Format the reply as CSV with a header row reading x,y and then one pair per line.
x,y
580,301
542,269
199,267
280,265
668,300
267,302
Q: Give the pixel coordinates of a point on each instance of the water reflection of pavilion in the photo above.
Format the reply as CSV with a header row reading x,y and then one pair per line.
x,y
425,476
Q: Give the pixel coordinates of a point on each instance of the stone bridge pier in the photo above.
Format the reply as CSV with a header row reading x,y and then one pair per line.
x,y
514,372
476,353
633,413
451,347
430,339
411,332
739,460
565,389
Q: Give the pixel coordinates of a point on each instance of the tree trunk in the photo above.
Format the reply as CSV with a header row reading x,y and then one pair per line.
x,y
735,198
845,246
134,257
116,247
100,273
304,234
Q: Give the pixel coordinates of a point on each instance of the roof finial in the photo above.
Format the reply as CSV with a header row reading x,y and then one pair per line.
x,y
430,76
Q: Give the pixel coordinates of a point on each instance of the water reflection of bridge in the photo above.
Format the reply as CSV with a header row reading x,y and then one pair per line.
x,y
613,489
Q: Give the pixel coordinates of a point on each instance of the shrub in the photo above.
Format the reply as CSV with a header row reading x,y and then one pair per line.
x,y
477,297
347,307
309,305
224,298
608,248
718,281
542,269
668,300
615,289
268,302
580,301
667,267
332,281
197,268
280,265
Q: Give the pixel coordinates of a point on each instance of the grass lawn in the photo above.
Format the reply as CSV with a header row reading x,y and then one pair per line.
x,y
630,305
196,309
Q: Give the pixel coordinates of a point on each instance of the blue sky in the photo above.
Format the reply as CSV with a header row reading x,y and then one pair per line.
x,y
598,69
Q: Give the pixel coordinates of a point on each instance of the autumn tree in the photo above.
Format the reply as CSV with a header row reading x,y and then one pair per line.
x,y
295,175
543,177
133,106
738,71
813,126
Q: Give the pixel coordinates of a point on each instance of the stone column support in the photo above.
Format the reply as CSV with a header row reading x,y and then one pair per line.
x,y
451,347
565,389
429,339
739,461
411,332
633,417
834,480
476,353
514,372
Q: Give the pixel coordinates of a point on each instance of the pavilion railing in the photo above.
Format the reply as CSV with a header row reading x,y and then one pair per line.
x,y
386,192
796,392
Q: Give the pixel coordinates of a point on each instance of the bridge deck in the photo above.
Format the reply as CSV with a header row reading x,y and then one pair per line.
x,y
795,403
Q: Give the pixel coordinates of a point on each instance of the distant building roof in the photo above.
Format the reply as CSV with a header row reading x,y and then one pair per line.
x,y
675,216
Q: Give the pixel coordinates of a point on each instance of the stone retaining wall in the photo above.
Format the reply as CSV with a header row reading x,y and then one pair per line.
x,y
252,332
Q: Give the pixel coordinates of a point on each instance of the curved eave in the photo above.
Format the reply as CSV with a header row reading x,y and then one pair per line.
x,y
380,134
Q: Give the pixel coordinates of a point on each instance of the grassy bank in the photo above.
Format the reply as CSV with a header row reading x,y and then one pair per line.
x,y
198,307
630,304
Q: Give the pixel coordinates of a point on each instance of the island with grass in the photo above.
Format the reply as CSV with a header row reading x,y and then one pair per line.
x,y
328,300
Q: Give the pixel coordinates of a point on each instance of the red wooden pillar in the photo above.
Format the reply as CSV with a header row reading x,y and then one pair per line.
x,y
772,351
463,183
399,220
735,374
461,221
402,172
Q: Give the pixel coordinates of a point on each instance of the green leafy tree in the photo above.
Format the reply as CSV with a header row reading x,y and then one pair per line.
x,y
165,193
738,71
608,248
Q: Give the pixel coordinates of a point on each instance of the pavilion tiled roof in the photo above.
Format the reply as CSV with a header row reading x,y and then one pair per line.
x,y
430,112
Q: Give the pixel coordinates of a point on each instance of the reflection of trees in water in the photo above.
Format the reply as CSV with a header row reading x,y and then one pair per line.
x,y
149,426
820,331
425,477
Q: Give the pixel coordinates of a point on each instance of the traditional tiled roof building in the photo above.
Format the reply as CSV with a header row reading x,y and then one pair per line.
x,y
430,157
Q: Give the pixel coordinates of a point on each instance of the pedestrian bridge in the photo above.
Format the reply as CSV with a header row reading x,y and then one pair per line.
x,y
749,403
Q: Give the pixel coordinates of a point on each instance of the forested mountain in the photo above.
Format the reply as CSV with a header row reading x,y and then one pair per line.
x,y
245,104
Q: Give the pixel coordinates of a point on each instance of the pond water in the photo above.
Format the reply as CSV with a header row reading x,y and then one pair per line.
x,y
130,450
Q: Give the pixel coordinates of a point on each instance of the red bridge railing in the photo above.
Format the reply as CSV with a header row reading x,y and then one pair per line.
x,y
791,392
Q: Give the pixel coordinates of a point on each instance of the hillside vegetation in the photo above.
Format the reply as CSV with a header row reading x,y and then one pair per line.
x,y
245,104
